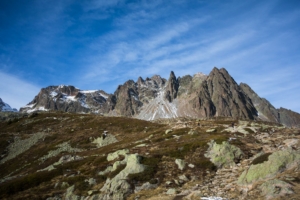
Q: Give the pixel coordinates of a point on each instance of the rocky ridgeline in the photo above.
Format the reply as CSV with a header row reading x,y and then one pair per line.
x,y
200,96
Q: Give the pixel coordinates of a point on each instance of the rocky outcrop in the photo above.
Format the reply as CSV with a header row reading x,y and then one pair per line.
x,y
223,155
118,187
220,95
171,88
19,146
101,142
277,162
4,107
276,188
127,96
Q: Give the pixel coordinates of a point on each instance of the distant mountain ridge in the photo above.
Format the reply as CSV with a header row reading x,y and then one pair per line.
x,y
198,96
4,107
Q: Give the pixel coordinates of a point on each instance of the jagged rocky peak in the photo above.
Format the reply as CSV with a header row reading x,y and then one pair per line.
x,y
140,81
158,80
4,107
70,99
154,82
127,98
200,75
226,95
171,88
200,95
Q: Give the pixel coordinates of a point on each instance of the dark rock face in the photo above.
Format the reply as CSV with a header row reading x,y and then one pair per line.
x,y
289,118
265,109
172,88
184,84
132,96
268,112
203,103
127,97
220,95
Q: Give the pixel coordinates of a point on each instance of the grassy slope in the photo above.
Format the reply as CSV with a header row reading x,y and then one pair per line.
x,y
78,129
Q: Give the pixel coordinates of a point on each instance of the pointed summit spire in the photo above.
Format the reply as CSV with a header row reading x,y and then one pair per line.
x,y
172,87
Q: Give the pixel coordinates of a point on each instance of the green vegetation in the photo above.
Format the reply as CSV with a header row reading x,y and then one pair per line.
x,y
79,130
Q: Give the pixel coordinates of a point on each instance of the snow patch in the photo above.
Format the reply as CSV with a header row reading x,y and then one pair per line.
x,y
61,86
53,94
159,108
103,95
29,105
37,109
88,91
69,98
212,198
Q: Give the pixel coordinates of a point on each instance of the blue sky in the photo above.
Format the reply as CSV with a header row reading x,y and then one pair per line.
x,y
101,44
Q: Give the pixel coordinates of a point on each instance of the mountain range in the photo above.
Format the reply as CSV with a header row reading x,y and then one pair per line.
x,y
204,137
198,96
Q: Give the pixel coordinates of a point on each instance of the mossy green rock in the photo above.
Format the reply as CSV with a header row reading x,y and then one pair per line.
x,y
223,155
116,154
169,131
193,132
276,188
277,162
181,164
118,187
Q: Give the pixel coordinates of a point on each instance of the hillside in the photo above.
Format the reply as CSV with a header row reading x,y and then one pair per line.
x,y
57,155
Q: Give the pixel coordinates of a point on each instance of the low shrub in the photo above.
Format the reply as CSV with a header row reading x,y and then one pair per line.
x,y
148,174
117,171
261,159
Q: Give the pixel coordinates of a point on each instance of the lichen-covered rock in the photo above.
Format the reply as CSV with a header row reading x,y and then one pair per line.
x,y
63,147
114,155
277,162
19,146
276,188
211,130
193,132
223,155
104,142
171,191
168,131
107,170
180,163
118,187
69,195
146,186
